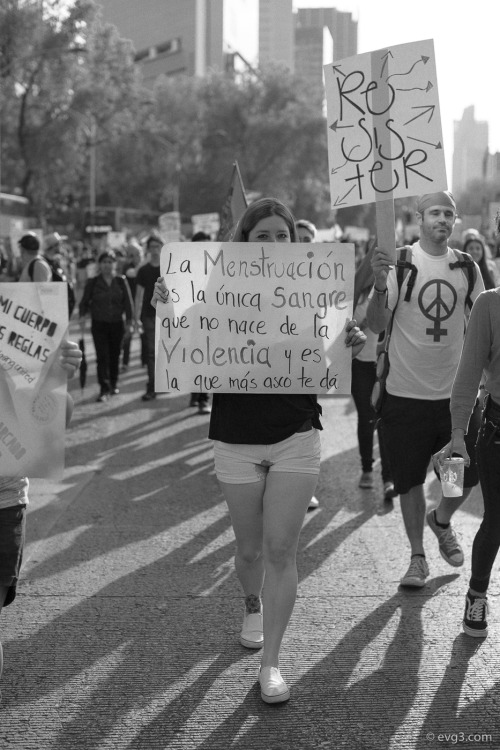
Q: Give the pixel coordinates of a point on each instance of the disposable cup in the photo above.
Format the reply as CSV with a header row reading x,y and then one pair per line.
x,y
451,471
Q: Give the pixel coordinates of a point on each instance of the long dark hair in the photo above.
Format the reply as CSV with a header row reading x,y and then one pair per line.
x,y
259,210
488,280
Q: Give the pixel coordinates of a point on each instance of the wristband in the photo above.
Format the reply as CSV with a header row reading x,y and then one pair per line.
x,y
383,291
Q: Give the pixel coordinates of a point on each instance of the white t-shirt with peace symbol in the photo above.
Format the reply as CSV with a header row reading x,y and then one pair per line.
x,y
428,331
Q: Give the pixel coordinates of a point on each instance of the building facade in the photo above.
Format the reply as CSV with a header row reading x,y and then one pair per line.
x,y
470,151
276,33
191,37
343,30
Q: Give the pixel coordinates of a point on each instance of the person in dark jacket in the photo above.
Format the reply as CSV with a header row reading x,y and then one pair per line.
x,y
107,298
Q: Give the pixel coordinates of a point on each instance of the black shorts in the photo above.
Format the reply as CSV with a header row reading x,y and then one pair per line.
x,y
415,429
12,535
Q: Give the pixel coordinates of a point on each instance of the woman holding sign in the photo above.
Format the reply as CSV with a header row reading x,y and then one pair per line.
x,y
267,458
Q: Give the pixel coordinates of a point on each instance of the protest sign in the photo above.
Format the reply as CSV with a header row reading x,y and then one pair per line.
x,y
170,226
208,223
33,320
384,125
253,318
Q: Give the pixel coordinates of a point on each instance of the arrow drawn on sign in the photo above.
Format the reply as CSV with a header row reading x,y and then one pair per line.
x,y
423,59
336,169
336,69
386,61
416,88
338,201
428,108
335,126
435,145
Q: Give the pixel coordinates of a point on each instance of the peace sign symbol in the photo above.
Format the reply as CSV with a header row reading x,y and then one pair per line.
x,y
441,307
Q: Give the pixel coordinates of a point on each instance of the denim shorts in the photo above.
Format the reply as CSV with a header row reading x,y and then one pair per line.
x,y
12,535
244,464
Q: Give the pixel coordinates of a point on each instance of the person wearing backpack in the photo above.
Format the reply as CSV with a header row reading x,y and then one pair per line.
x,y
426,298
34,266
51,254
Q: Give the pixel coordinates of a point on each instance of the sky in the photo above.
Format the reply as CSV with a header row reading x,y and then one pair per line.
x,y
466,43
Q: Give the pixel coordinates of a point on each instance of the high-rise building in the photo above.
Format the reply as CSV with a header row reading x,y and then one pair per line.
x,y
171,37
493,168
343,29
276,32
313,49
193,37
470,151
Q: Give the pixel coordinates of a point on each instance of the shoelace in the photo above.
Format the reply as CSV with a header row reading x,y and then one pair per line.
x,y
478,610
417,566
448,540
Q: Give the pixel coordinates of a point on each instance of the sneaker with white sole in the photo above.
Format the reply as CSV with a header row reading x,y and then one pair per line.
x,y
449,548
476,611
252,634
273,688
417,572
389,491
313,503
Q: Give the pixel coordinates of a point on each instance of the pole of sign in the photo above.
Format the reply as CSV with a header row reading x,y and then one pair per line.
x,y
381,102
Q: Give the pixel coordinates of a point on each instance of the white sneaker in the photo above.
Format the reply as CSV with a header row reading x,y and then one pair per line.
x,y
273,688
252,634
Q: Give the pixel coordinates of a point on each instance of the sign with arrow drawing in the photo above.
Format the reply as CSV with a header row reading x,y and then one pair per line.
x,y
384,125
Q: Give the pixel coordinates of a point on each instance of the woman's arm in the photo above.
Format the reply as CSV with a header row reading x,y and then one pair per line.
x,y
474,359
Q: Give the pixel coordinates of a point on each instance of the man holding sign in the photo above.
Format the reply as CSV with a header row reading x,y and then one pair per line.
x,y
267,460
429,294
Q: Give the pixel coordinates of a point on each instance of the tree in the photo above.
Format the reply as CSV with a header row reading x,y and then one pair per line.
x,y
185,141
62,72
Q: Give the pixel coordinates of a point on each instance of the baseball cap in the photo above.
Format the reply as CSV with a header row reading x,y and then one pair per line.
x,y
30,242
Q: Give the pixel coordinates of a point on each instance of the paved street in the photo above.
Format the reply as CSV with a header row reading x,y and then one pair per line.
x,y
124,634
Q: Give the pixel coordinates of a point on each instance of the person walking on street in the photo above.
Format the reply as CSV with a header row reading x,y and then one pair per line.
x,y
362,382
477,250
52,254
481,354
107,298
13,502
306,231
133,261
144,314
200,399
267,460
34,265
428,316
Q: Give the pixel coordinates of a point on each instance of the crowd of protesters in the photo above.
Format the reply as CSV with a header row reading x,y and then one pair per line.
x,y
119,289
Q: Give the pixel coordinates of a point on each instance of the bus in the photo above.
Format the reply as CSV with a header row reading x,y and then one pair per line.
x,y
104,219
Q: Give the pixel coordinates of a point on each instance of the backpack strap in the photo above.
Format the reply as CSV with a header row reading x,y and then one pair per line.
x,y
31,269
404,266
465,262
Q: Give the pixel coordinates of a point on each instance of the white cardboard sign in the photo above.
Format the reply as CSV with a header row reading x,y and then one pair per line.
x,y
384,125
255,318
33,321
